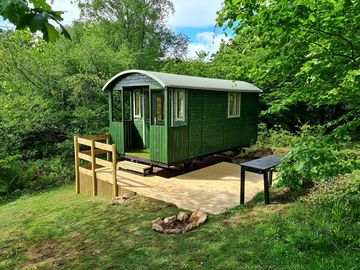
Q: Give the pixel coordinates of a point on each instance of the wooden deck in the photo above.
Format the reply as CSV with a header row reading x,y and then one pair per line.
x,y
213,189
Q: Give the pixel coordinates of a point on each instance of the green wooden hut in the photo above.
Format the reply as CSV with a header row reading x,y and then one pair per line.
x,y
167,119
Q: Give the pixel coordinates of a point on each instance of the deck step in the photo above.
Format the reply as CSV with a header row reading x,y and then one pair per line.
x,y
135,167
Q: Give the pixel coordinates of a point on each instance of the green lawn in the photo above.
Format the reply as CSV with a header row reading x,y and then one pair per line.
x,y
60,230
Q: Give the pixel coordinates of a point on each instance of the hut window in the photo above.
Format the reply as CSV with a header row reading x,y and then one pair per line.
x,y
178,108
234,104
116,105
158,108
137,103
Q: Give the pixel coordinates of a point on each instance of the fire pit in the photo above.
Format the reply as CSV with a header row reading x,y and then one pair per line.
x,y
181,223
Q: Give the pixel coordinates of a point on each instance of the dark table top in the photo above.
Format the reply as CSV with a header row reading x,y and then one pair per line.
x,y
262,164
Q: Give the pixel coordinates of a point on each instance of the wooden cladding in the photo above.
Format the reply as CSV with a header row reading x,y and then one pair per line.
x,y
96,148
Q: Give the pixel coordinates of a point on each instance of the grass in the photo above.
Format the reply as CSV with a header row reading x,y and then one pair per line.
x,y
60,230
140,152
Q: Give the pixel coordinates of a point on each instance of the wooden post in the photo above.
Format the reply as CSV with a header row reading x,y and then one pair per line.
x,y
115,189
242,186
107,142
93,167
77,164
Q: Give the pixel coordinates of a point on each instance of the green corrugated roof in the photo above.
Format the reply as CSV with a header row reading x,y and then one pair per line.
x,y
188,82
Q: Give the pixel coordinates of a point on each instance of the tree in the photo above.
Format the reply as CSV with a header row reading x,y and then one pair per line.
x,y
310,55
34,15
140,25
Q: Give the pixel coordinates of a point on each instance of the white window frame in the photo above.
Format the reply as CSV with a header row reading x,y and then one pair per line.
x,y
175,120
134,103
238,100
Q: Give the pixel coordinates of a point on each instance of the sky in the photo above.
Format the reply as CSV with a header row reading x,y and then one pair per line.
x,y
195,18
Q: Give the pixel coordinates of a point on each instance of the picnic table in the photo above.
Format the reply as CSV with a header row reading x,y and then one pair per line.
x,y
264,166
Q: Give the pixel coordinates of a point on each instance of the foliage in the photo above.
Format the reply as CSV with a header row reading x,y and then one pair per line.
x,y
139,25
51,91
313,158
18,177
34,15
304,54
59,229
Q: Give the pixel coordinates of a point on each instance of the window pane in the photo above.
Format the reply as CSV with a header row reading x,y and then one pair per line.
x,y
116,106
234,104
137,103
127,105
158,108
180,105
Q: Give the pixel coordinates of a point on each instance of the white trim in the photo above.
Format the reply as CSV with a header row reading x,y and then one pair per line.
x,y
176,105
175,121
237,99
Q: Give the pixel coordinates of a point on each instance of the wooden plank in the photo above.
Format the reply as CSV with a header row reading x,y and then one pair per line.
x,y
93,167
97,152
77,162
129,163
103,162
114,170
103,146
132,166
84,157
96,137
84,141
108,142
85,171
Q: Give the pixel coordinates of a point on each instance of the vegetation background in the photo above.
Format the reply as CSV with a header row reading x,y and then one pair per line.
x,y
304,54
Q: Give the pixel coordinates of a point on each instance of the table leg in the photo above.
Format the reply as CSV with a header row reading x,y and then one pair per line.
x,y
266,188
242,186
270,177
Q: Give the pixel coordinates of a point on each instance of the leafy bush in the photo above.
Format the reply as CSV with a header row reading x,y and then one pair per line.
x,y
18,177
270,139
314,158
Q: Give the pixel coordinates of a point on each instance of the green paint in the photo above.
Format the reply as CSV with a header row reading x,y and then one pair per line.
x,y
208,129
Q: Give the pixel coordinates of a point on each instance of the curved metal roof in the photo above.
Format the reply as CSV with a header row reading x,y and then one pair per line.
x,y
188,82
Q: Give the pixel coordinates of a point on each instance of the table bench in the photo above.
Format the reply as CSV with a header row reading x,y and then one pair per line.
x,y
264,166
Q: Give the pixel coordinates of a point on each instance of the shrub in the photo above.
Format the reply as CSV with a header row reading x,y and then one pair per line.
x,y
314,158
18,177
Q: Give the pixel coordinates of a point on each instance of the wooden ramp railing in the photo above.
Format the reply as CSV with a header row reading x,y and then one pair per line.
x,y
97,147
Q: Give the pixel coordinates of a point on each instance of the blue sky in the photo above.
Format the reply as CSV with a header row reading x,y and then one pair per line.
x,y
195,18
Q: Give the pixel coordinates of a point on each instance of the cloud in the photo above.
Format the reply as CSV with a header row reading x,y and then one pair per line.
x,y
71,10
195,13
206,41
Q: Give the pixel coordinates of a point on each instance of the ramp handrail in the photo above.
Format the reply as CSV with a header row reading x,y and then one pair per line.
x,y
97,146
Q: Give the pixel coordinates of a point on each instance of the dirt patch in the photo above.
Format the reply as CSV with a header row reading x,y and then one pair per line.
x,y
158,209
256,215
44,254
52,254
